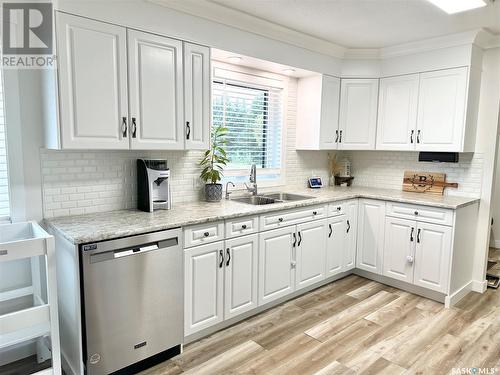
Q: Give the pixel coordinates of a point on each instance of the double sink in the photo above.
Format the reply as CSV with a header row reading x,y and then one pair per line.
x,y
262,199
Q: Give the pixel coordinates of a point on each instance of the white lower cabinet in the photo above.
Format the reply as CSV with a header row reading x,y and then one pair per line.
x,y
336,245
432,256
203,286
276,264
240,279
399,248
310,253
371,221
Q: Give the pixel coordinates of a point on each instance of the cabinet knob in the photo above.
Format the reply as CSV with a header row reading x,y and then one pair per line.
x,y
409,258
280,219
244,226
416,212
206,234
339,208
315,212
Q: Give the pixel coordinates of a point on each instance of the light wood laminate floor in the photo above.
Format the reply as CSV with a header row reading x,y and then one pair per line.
x,y
352,326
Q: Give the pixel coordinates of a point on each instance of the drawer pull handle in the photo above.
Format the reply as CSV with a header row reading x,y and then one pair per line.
x,y
244,226
280,219
411,234
228,257
416,212
315,213
294,239
206,234
348,226
331,230
418,235
300,239
221,255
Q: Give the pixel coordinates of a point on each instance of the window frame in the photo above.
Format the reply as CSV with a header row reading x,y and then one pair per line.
x,y
240,76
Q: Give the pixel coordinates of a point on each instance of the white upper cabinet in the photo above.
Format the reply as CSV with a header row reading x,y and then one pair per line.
x,y
442,110
92,65
157,98
197,94
155,92
397,113
318,113
358,114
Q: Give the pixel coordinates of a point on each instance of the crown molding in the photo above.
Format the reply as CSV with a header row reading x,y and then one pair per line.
x,y
249,23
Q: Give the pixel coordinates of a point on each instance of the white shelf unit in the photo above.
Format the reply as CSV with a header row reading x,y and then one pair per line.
x,y
39,322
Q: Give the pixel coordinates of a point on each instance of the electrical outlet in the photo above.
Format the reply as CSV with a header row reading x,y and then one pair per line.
x,y
197,183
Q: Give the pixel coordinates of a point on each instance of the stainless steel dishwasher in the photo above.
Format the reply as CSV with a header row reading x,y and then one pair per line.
x,y
133,308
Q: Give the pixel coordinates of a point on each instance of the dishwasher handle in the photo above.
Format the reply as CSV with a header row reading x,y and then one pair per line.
x,y
134,251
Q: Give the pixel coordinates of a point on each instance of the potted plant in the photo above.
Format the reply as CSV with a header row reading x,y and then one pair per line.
x,y
213,163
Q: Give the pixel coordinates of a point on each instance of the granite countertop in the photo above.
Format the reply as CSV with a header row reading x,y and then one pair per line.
x,y
114,224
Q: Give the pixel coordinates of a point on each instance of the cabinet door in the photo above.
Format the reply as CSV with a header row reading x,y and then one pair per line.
x,y
399,247
397,113
276,275
197,93
329,123
441,110
92,65
358,114
336,245
351,209
155,91
241,262
203,286
371,220
311,252
432,256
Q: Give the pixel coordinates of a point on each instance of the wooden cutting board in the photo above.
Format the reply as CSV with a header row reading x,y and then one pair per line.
x,y
426,182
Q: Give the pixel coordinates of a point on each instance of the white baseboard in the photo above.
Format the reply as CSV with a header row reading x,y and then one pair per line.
x,y
458,295
479,286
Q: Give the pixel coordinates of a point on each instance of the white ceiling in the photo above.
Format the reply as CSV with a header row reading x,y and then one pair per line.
x,y
365,23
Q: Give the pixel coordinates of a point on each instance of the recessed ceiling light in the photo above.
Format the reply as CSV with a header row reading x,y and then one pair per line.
x,y
288,71
235,59
457,6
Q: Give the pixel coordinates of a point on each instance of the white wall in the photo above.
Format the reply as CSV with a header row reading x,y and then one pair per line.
x,y
385,169
495,232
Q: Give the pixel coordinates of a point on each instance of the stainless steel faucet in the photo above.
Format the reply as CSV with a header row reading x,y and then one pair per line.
x,y
253,180
227,189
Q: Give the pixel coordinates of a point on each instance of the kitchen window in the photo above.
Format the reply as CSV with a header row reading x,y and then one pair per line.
x,y
253,116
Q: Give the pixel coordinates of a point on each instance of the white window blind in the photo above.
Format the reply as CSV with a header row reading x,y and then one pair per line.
x,y
4,179
253,117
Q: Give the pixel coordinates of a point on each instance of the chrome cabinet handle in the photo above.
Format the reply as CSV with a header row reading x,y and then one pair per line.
x,y
134,127
348,226
418,235
124,127
221,255
411,136
331,230
188,130
228,257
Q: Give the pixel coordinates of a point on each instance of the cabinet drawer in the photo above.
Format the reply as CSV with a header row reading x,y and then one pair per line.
x,y
242,226
203,233
420,213
280,219
336,209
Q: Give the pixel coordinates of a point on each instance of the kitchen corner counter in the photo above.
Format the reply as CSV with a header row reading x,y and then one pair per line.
x,y
122,223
